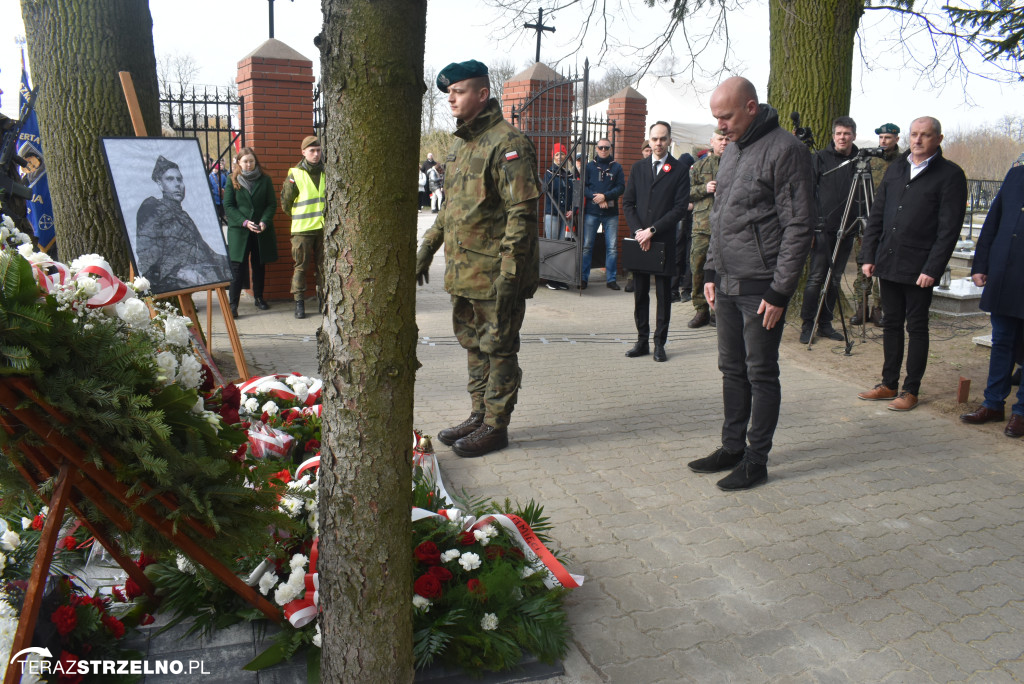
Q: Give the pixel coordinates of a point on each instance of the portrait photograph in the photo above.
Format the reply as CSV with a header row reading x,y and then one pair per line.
x,y
167,211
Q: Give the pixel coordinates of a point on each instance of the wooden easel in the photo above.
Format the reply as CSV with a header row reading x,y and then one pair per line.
x,y
79,481
185,296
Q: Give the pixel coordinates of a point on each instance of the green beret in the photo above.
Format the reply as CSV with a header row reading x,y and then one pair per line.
x,y
459,71
888,128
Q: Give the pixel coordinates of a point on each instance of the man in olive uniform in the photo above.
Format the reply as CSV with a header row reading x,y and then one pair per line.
x,y
302,197
888,139
702,198
489,229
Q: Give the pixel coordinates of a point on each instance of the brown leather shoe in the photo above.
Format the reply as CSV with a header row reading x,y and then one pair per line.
x,y
878,393
449,436
482,441
905,402
1015,428
981,415
700,319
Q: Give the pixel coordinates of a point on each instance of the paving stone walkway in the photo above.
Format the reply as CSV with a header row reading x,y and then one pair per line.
x,y
884,547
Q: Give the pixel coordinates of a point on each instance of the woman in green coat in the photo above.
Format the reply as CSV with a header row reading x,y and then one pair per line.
x,y
249,204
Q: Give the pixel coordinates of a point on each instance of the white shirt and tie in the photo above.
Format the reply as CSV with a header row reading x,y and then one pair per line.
x,y
658,164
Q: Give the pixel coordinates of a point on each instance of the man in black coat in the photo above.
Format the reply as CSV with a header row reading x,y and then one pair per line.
x,y
657,193
913,228
999,268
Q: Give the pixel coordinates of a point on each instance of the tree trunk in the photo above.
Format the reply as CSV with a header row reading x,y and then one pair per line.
x,y
76,48
367,343
812,60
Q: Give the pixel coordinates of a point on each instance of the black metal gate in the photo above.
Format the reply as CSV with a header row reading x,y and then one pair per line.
x,y
216,120
557,114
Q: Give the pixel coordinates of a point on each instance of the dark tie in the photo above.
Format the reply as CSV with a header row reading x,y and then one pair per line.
x,y
657,167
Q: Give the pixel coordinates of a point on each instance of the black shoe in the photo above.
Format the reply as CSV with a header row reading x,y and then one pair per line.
x,y
717,461
659,353
583,285
830,333
553,286
639,349
629,285
713,322
451,435
612,285
746,475
675,297
300,309
261,304
483,440
805,334
562,286
234,311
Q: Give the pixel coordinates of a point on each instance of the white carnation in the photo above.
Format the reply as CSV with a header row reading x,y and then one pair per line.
x,y
317,637
176,331
450,555
298,562
285,593
89,260
190,372
87,287
489,622
168,364
420,602
134,312
199,406
270,408
26,523
10,540
141,284
252,405
267,582
469,561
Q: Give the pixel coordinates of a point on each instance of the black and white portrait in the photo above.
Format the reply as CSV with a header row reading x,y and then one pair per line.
x,y
167,211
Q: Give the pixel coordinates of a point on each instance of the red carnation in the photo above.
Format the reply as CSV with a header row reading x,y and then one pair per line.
x,y
69,543
119,594
68,672
132,588
428,554
282,476
66,620
146,619
443,574
313,445
37,522
427,586
240,452
494,552
115,626
145,561
467,539
265,417
476,587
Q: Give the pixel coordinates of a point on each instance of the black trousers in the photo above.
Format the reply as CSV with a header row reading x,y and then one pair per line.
x,y
642,305
240,271
904,304
821,258
683,279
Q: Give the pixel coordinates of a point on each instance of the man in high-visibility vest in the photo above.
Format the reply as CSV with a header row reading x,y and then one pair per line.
x,y
302,197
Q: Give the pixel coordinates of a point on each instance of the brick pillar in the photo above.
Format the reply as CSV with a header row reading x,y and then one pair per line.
x,y
628,109
545,119
277,84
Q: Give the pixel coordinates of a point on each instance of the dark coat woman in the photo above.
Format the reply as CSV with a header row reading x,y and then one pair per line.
x,y
249,204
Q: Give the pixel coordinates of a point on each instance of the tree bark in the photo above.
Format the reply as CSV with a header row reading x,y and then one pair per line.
x,y
367,343
76,49
812,60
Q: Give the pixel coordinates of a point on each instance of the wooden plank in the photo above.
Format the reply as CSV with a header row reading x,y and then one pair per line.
x,y
236,342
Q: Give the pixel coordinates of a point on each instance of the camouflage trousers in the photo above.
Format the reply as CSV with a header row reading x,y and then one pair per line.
x,y
862,283
699,255
492,348
307,253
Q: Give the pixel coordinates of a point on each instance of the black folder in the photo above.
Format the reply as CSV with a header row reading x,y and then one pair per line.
x,y
636,259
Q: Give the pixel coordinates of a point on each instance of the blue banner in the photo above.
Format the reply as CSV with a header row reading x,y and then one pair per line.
x,y
40,211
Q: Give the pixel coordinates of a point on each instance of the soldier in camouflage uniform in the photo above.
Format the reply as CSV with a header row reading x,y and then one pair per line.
x,y
702,198
888,139
488,226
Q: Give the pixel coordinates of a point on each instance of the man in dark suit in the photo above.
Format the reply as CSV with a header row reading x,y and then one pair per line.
x,y
910,235
657,193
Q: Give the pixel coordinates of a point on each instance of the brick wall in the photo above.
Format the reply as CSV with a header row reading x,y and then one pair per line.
x,y
628,109
277,84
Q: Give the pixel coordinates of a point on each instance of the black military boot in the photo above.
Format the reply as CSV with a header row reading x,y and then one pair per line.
x,y
449,436
300,308
482,441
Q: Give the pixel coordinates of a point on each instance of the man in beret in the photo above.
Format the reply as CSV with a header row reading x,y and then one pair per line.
x,y
169,249
302,196
488,226
888,139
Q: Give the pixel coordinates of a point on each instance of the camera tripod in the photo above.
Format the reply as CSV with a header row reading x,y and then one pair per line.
x,y
862,189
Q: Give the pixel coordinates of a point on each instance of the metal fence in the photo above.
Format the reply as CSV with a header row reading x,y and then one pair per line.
x,y
319,113
214,116
980,194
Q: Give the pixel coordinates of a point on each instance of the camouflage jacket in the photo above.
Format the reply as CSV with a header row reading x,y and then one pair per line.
x,y
702,173
489,220
880,164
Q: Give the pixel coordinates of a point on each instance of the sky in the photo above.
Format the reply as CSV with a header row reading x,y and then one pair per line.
x,y
457,30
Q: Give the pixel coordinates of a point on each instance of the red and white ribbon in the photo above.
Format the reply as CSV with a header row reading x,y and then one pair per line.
x,y
50,281
302,611
275,386
112,290
266,440
293,413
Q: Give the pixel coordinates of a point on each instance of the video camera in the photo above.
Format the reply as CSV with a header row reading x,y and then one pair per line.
x,y
803,133
871,152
